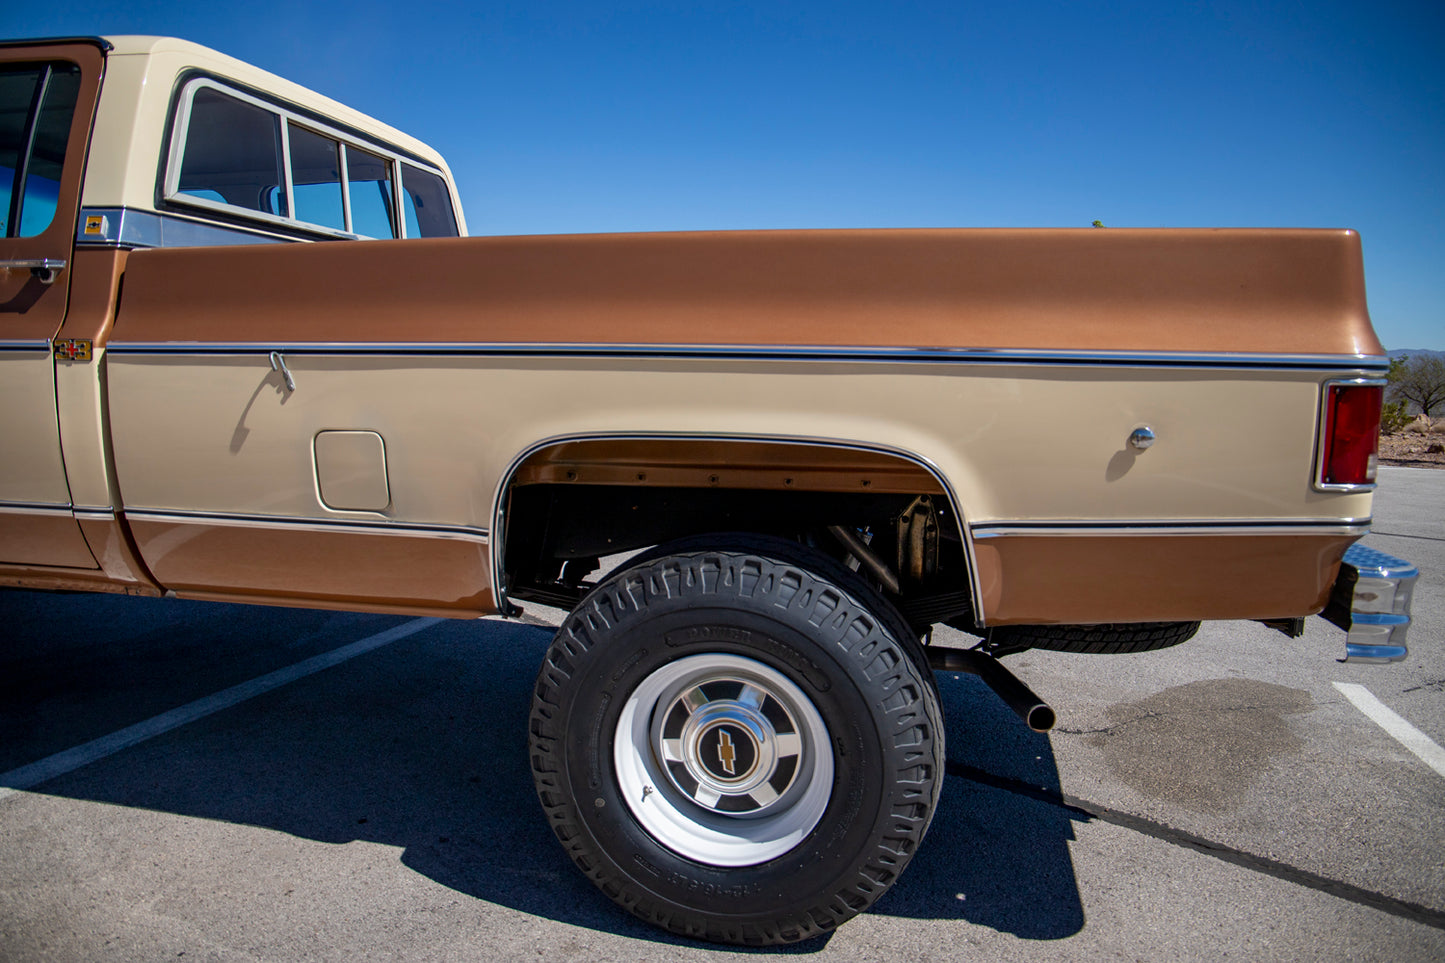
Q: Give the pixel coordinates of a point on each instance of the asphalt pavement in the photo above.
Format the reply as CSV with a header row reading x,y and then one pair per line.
x,y
226,782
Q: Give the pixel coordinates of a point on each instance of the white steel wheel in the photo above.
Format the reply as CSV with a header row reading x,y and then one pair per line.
x,y
723,760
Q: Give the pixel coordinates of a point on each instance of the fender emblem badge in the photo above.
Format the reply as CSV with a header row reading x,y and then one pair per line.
x,y
72,349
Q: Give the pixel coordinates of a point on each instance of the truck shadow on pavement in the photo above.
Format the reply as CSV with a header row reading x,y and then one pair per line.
x,y
421,745
992,857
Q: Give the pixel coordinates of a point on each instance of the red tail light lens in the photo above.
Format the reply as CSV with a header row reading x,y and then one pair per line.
x,y
1352,434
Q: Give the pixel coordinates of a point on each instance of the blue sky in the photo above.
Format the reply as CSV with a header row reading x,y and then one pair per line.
x,y
579,117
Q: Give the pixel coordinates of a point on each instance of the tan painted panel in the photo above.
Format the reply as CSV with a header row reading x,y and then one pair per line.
x,y
275,564
31,469
222,434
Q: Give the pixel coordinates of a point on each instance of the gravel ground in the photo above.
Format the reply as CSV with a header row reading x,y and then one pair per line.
x,y
1410,449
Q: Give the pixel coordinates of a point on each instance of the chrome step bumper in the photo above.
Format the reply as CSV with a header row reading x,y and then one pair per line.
x,y
1371,602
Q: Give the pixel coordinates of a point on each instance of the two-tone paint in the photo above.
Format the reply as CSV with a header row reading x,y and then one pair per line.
x,y
234,388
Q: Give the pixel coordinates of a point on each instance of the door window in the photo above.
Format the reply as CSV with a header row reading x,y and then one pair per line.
x,y
36,107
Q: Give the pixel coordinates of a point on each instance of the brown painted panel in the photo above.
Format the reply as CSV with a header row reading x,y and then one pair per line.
x,y
1272,291
1155,578
113,550
50,539
725,464
330,604
95,279
394,573
39,578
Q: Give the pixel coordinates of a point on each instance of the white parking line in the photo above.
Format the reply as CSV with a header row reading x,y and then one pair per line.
x,y
71,759
1404,733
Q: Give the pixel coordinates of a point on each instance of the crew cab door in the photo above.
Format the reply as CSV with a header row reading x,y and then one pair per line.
x,y
47,99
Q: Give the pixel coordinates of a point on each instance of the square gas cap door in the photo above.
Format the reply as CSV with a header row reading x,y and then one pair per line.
x,y
351,471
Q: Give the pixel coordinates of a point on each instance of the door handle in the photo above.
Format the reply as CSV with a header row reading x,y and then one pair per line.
x,y
46,269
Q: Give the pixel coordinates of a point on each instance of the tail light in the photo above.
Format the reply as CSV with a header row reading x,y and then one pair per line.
x,y
1350,444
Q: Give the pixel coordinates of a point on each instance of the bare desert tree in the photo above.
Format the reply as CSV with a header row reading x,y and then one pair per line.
x,y
1419,381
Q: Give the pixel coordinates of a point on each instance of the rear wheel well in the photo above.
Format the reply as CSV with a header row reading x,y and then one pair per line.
x,y
558,535
573,502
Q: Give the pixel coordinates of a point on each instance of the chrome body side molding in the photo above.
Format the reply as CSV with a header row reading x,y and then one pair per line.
x,y
349,526
35,508
1323,526
1329,364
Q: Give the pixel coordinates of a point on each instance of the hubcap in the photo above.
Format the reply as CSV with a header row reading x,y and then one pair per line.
x,y
723,759
729,746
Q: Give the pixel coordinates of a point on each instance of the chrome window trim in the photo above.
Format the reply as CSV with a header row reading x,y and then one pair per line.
x,y
306,524
397,200
505,483
286,117
129,228
1318,479
398,192
284,126
1362,366
343,162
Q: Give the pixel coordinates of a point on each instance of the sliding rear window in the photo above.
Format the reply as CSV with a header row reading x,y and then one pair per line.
x,y
235,154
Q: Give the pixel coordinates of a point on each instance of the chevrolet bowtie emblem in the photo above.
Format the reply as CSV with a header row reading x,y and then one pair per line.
x,y
725,752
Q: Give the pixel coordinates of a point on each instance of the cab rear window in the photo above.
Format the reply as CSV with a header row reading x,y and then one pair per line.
x,y
236,154
233,154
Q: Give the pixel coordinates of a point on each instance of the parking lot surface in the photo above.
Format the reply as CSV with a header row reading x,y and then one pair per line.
x,y
225,782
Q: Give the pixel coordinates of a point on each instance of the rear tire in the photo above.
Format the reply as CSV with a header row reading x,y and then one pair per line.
x,y
1114,639
737,748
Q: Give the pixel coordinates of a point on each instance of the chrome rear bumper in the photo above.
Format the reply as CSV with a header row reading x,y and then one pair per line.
x,y
1371,602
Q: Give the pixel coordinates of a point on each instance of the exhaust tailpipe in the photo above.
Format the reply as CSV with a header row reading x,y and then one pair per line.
x,y
1035,712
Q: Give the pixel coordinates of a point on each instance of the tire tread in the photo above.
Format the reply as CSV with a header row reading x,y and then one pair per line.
x,y
1107,639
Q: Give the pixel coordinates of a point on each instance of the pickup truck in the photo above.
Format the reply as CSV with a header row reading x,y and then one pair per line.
x,y
250,355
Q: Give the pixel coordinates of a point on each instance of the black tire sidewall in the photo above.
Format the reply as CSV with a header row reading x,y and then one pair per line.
x,y
824,860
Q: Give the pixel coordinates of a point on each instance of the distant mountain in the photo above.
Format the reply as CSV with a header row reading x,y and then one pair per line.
x,y
1414,352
